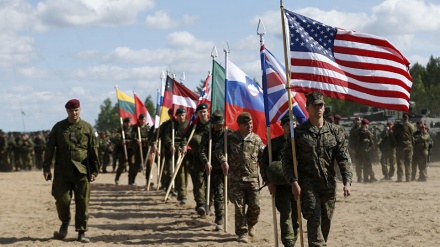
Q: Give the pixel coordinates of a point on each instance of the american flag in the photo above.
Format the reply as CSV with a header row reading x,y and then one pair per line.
x,y
347,65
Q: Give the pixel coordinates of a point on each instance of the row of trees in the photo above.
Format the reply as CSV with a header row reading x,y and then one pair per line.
x,y
424,93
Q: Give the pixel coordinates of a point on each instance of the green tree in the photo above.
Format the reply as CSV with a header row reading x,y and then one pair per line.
x,y
108,117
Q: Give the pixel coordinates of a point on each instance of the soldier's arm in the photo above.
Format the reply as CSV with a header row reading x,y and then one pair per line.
x,y
343,157
264,164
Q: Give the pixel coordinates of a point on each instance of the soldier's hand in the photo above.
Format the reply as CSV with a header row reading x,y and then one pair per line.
x,y
184,149
347,189
172,149
47,176
296,190
208,168
272,188
225,168
92,178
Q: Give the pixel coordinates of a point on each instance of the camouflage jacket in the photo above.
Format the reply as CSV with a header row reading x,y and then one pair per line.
x,y
422,143
317,150
403,134
203,150
75,148
179,134
277,145
365,141
243,156
144,135
201,129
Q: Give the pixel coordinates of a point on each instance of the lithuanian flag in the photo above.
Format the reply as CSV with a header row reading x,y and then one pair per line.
x,y
126,106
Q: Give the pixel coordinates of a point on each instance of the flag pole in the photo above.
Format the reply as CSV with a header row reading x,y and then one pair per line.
x,y
140,141
122,128
292,131
225,136
269,139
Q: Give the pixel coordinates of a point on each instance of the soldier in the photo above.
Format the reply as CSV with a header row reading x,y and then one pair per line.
x,y
164,151
365,145
197,167
244,151
108,153
101,148
284,200
26,152
3,152
352,148
318,144
388,150
143,129
422,144
214,168
40,145
73,143
18,158
331,119
338,119
124,145
178,148
403,135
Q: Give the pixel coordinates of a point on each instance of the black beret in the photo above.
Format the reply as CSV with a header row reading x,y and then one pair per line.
x,y
286,118
202,107
180,111
244,118
72,104
126,120
141,116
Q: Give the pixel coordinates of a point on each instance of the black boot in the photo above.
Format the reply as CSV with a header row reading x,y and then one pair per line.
x,y
62,233
82,237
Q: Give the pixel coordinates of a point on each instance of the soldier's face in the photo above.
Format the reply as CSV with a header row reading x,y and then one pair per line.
x,y
245,128
315,110
73,114
218,127
203,115
181,117
142,121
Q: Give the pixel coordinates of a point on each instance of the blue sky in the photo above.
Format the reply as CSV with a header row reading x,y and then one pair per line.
x,y
55,50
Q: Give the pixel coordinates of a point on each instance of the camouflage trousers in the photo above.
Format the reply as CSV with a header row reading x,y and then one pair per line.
x,y
62,188
404,161
122,164
181,181
217,192
198,177
419,160
286,205
388,161
317,206
246,199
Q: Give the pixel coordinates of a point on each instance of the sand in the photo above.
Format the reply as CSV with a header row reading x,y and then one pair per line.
x,y
383,213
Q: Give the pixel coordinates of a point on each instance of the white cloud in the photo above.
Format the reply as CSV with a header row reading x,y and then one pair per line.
x,y
16,50
160,20
189,19
33,73
113,13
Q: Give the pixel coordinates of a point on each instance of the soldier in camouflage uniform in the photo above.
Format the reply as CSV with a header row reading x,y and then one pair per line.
x,y
197,167
352,147
403,135
40,145
120,150
73,143
388,150
214,168
102,140
284,200
18,158
144,129
318,144
244,150
3,152
164,151
27,152
178,148
422,144
365,145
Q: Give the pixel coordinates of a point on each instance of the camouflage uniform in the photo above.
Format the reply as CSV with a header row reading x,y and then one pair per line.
x,y
284,199
26,151
197,167
165,154
137,165
76,155
181,181
217,178
3,152
353,137
40,145
422,143
403,135
365,146
102,142
18,159
243,155
388,157
122,160
316,150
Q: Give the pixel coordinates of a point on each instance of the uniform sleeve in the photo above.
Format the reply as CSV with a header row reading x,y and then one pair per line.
x,y
220,151
288,162
202,151
51,143
264,164
93,153
343,158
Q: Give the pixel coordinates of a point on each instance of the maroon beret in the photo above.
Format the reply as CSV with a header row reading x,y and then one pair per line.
x,y
73,103
365,121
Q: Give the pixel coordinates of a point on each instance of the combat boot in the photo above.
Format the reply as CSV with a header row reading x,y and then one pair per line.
x,y
82,237
62,233
251,231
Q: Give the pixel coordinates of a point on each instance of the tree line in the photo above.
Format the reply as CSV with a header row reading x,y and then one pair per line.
x,y
424,92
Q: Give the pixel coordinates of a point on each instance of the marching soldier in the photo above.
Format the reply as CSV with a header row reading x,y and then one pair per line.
x,y
422,145
122,146
40,145
403,135
388,150
141,144
365,145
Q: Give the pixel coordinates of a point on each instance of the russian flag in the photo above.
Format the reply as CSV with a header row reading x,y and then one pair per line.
x,y
275,93
242,94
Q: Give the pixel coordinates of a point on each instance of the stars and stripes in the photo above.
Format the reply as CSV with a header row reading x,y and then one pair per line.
x,y
347,65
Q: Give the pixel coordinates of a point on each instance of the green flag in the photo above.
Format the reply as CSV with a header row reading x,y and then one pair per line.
x,y
218,87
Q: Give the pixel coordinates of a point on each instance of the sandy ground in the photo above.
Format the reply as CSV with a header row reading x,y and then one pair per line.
x,y
377,214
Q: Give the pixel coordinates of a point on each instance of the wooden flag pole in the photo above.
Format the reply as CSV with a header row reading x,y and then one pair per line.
x,y
292,131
